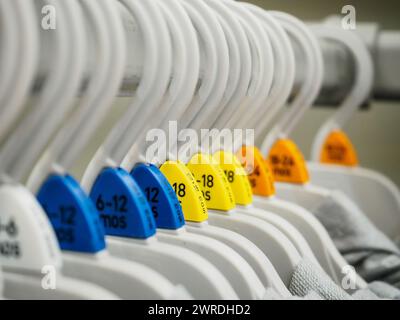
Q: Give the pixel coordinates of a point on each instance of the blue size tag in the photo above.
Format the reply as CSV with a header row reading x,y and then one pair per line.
x,y
122,206
161,196
72,214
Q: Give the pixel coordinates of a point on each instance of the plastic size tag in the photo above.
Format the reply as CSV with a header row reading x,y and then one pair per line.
x,y
188,191
72,214
122,206
237,177
27,240
338,149
287,163
160,195
259,173
10,244
213,183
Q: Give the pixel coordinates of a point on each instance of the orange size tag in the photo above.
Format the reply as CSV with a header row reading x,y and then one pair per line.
x,y
339,150
259,173
287,162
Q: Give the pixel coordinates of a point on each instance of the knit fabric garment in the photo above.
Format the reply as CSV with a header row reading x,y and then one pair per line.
x,y
365,294
384,290
374,256
307,278
311,283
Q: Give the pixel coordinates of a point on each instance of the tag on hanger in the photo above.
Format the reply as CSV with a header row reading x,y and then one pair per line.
x,y
154,254
260,175
80,231
116,194
287,162
29,249
212,181
338,149
244,280
163,201
72,215
188,191
236,176
26,239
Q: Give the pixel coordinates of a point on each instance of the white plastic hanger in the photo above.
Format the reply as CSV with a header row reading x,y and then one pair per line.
x,y
212,253
60,192
19,62
65,95
162,95
375,194
180,99
231,102
192,118
270,99
150,92
275,205
244,85
307,195
9,45
66,147
234,239
24,225
235,269
197,274
18,167
311,85
258,98
184,74
33,259
179,265
315,234
237,216
146,282
296,238
203,226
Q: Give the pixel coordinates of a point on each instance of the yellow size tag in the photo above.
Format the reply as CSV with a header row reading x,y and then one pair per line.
x,y
339,150
188,191
287,162
237,177
259,172
212,181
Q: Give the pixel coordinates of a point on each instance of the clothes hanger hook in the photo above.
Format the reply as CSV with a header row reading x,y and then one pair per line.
x,y
311,85
362,86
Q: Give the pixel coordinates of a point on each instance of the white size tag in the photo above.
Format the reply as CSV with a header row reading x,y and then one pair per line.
x,y
27,241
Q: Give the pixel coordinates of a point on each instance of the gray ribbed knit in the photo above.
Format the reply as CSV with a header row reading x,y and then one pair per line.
x,y
375,257
308,278
384,290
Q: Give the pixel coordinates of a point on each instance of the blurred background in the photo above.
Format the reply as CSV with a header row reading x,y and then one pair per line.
x,y
385,12
375,131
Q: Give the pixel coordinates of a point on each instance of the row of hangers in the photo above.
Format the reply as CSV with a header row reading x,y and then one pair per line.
x,y
194,221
